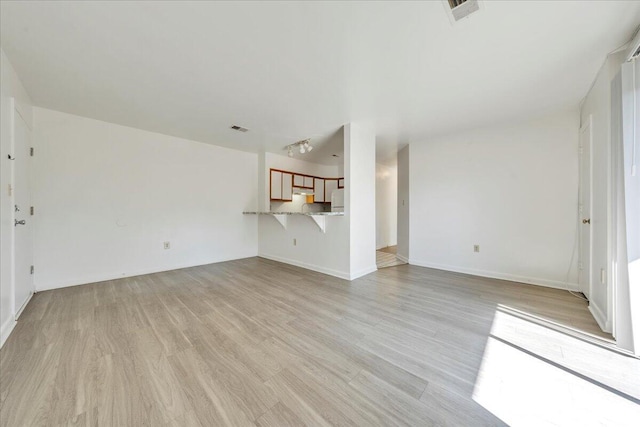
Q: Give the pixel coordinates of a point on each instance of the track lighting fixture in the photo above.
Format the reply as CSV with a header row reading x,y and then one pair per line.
x,y
303,146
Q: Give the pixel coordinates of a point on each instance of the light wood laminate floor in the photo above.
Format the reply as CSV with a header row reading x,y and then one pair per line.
x,y
256,342
386,257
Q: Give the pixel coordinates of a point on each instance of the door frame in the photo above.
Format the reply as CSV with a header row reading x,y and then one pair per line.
x,y
15,112
583,128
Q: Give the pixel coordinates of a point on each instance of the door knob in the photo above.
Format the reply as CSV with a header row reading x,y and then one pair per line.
x,y
586,221
23,222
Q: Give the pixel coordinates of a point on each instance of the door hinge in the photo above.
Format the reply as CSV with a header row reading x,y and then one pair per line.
x,y
32,269
31,210
31,151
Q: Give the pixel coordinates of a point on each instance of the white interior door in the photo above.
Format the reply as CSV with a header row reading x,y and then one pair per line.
x,y
584,266
23,246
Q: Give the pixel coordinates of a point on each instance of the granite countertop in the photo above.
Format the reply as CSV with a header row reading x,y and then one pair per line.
x,y
296,213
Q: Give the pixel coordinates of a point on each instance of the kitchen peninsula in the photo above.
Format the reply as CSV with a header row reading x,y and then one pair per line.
x,y
297,213
318,217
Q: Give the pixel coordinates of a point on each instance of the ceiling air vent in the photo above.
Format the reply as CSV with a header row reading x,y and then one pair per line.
x,y
633,51
239,128
462,8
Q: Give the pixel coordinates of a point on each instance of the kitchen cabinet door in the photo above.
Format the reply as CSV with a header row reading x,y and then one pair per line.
x,y
308,182
318,190
298,180
276,185
341,183
287,184
329,186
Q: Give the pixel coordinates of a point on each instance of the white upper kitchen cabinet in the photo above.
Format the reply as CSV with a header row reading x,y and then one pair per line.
x,y
287,186
318,190
308,182
276,185
298,180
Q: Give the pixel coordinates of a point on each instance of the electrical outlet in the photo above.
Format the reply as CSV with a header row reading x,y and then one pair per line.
x,y
295,242
476,248
167,245
603,276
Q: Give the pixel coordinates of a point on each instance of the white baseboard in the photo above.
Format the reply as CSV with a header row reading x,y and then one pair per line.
x,y
402,258
363,272
501,276
6,328
21,309
386,246
331,272
601,319
320,269
12,321
113,276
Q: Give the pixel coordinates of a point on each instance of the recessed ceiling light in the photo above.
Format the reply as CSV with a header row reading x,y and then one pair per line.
x,y
239,128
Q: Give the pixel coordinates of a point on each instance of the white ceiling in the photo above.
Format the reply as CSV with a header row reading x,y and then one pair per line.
x,y
292,70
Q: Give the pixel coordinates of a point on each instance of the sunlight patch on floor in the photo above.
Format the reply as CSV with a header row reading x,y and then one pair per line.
x,y
532,375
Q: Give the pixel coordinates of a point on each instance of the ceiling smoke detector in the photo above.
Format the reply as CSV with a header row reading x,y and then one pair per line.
x,y
239,128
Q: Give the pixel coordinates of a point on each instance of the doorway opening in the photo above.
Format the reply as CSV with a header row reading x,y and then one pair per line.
x,y
387,215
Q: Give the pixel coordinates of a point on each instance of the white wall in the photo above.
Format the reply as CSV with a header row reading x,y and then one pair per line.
x,y
108,196
324,252
625,134
360,197
510,189
597,104
404,206
10,87
386,206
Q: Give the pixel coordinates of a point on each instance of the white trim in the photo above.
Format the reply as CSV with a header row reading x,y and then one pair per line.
x,y
24,305
402,258
386,246
589,278
320,269
6,330
601,319
501,276
364,272
113,276
313,267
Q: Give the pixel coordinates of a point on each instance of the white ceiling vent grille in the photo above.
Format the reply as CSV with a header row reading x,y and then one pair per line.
x,y
633,52
462,8
239,128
